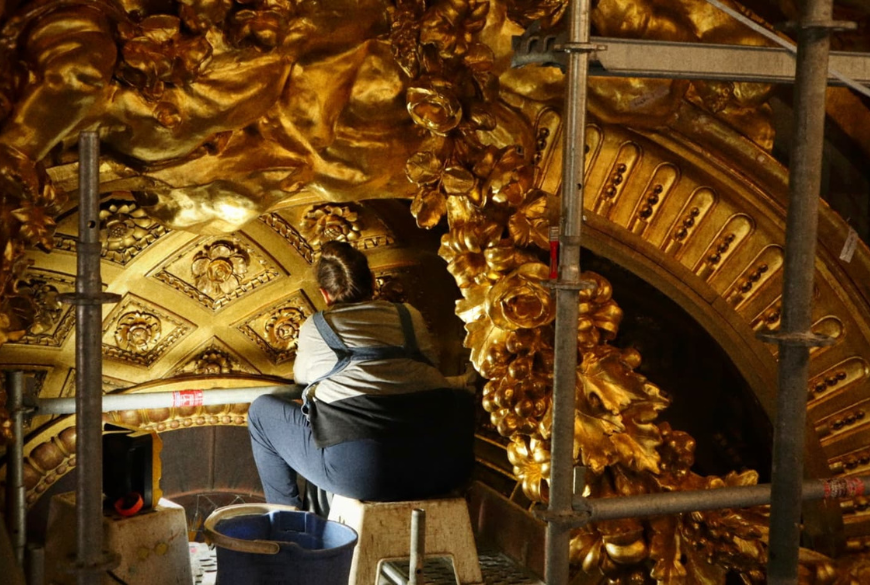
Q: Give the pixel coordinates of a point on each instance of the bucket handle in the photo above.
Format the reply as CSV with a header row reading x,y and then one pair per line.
x,y
212,536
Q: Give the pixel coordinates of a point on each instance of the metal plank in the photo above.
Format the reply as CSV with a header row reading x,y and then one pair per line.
x,y
674,60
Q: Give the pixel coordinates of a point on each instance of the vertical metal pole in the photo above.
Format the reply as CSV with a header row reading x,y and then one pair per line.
x,y
35,565
15,502
567,302
418,546
89,370
800,252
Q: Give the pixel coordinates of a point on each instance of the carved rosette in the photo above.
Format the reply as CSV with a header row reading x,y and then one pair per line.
x,y
126,230
282,328
275,329
325,223
140,332
219,269
137,332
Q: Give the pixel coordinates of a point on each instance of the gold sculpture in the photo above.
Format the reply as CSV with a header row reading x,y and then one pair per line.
x,y
218,111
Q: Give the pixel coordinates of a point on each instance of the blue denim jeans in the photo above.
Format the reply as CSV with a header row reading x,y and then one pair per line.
x,y
407,468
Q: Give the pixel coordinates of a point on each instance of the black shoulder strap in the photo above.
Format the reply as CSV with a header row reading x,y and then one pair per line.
x,y
412,349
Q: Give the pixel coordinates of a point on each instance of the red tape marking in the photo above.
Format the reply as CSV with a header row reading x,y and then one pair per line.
x,y
187,398
843,487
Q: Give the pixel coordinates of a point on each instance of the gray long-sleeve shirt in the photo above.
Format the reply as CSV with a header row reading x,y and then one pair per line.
x,y
371,323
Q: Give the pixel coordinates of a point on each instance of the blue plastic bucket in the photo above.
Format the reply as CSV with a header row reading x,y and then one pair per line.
x,y
266,544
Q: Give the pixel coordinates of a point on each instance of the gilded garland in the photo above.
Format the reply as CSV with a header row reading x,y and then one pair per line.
x,y
498,222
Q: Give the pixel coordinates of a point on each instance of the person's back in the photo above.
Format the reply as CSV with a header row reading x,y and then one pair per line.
x,y
380,420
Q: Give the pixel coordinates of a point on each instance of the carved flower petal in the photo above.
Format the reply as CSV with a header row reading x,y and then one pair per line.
x,y
219,250
240,264
457,181
199,267
423,168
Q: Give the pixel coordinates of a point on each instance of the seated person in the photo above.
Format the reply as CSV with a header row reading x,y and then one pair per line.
x,y
378,420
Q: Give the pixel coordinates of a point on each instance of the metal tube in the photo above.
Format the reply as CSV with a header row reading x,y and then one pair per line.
x,y
556,567
15,493
730,497
799,269
418,546
146,400
89,370
35,565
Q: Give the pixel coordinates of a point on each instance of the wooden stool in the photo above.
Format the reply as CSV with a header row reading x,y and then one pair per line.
x,y
384,530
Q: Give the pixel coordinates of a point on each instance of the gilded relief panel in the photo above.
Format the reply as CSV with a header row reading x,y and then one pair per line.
x,y
275,329
126,230
213,358
139,332
219,270
356,224
53,320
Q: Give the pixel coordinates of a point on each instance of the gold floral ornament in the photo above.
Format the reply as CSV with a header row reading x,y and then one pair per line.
x,y
433,104
616,412
282,328
220,268
124,228
213,363
520,301
138,332
48,307
325,223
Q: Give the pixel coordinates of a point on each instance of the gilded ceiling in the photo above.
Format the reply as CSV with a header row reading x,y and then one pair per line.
x,y
237,137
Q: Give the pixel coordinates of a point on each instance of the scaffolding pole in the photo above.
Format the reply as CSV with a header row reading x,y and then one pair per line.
x,y
91,562
15,490
149,400
556,565
795,337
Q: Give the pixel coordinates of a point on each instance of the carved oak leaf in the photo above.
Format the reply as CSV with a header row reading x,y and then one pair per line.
x,y
510,179
472,307
609,382
37,225
466,268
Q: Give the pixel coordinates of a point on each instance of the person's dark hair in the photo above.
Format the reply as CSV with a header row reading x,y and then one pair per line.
x,y
343,272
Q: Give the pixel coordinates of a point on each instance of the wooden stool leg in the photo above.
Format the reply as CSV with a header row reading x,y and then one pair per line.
x,y
384,533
